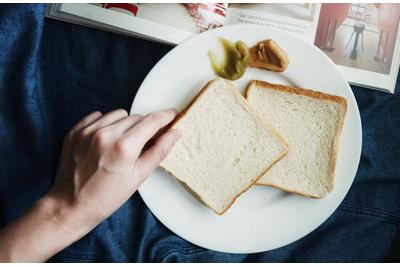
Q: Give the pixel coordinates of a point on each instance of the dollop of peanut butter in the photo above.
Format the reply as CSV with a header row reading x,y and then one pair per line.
x,y
268,55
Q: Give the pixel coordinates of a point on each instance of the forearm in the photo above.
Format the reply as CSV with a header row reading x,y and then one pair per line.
x,y
40,233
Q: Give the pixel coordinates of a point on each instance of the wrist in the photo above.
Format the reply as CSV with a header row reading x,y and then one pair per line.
x,y
48,227
68,216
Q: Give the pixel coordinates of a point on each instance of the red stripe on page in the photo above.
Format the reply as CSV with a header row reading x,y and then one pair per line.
x,y
129,7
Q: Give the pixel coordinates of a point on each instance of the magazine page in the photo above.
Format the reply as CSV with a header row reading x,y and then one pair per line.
x,y
193,18
170,23
362,39
298,18
122,19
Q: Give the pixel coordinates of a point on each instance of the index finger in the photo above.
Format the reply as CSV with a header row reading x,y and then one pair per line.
x,y
147,127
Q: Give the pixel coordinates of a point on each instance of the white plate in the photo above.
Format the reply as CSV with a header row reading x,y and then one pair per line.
x,y
263,218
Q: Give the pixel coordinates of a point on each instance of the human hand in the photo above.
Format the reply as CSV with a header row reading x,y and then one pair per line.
x,y
102,164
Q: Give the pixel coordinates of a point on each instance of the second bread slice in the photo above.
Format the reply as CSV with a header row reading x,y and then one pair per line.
x,y
311,123
225,147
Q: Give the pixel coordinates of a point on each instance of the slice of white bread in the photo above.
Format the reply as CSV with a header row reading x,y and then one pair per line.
x,y
311,123
225,147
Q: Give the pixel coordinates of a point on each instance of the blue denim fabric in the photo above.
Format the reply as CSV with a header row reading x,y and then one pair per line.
x,y
52,73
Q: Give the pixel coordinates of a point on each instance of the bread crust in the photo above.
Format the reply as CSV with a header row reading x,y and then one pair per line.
x,y
296,90
313,94
258,118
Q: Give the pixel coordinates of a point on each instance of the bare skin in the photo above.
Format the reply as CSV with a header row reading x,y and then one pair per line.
x,y
103,162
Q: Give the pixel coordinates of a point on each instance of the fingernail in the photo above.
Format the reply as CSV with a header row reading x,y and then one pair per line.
x,y
172,110
175,134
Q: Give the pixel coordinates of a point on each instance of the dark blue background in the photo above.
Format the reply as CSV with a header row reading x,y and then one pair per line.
x,y
52,73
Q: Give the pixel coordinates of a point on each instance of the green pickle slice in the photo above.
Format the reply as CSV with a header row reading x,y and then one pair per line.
x,y
236,56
